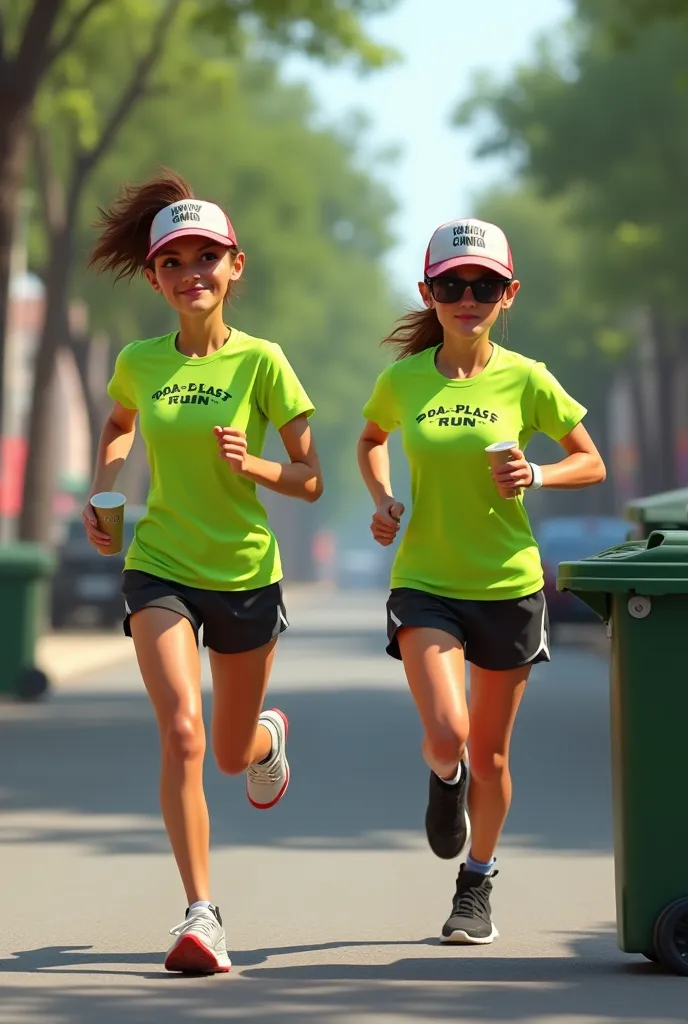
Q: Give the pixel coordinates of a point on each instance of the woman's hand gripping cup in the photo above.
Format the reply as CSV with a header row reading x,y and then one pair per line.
x,y
103,516
510,469
387,521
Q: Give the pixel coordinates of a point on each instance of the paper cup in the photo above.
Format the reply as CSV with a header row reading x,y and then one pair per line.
x,y
109,509
499,454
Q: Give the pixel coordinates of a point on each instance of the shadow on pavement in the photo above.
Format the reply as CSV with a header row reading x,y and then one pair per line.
x,y
470,985
358,777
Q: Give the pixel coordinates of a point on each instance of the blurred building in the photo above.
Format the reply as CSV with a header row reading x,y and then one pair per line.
x,y
70,438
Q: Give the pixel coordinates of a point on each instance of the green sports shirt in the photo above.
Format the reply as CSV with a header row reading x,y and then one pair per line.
x,y
462,539
205,525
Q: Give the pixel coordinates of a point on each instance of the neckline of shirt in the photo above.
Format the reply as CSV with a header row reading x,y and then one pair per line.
x,y
467,382
233,339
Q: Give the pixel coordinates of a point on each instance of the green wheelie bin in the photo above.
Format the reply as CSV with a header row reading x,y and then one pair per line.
x,y
640,589
665,511
24,569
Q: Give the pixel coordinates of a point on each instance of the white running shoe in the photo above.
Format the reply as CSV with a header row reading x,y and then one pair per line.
x,y
267,783
201,944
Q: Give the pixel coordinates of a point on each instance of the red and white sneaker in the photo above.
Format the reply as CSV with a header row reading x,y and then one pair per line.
x,y
267,783
201,944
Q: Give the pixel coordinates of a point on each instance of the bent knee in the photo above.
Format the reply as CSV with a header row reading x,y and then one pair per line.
x,y
184,738
446,743
488,766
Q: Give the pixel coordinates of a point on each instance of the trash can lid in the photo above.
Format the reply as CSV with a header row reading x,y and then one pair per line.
x,y
25,559
658,565
670,507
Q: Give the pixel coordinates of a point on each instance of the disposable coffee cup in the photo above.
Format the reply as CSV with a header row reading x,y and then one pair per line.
x,y
501,453
109,509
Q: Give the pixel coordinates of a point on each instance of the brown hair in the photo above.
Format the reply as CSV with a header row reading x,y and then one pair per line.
x,y
416,331
123,242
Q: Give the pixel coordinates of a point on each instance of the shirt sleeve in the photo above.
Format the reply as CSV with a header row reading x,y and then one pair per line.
x,y
381,407
121,387
281,395
554,412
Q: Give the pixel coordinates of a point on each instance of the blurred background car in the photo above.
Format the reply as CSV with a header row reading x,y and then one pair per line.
x,y
86,586
569,538
359,563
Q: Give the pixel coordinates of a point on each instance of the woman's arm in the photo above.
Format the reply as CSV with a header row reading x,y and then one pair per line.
x,y
301,477
373,462
582,467
116,439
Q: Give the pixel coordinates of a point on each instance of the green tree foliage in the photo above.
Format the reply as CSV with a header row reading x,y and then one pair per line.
x,y
603,129
313,224
625,21
613,133
61,37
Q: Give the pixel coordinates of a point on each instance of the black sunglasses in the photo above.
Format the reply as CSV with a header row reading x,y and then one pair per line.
x,y
486,290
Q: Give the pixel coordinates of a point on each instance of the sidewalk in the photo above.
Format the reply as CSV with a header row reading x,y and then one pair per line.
x,y
68,654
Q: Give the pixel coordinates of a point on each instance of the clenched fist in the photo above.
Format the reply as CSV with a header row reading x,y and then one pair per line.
x,y
232,445
386,521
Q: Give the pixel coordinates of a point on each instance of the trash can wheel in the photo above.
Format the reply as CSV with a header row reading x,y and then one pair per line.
x,y
671,937
32,684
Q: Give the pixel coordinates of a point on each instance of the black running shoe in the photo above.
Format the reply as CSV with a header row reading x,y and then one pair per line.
x,y
470,922
447,823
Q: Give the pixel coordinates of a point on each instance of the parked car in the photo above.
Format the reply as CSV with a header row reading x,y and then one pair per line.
x,y
86,587
568,539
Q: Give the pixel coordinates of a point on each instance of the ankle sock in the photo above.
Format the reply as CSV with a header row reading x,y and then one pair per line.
x,y
200,905
457,778
478,866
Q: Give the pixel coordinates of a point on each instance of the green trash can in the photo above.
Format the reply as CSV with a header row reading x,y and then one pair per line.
x,y
666,511
640,589
24,569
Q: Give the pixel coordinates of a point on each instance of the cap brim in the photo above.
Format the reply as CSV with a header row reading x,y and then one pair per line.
x,y
469,261
190,232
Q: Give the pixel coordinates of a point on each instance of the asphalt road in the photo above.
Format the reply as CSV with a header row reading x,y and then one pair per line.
x,y
332,901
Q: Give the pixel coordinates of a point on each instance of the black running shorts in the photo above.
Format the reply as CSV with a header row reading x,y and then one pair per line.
x,y
233,621
496,635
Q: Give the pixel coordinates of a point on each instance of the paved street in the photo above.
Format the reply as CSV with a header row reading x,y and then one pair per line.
x,y
332,901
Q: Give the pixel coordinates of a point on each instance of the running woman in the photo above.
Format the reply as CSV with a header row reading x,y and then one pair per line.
x,y
467,581
204,554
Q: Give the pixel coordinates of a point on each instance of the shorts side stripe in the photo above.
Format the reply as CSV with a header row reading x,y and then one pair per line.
x,y
543,647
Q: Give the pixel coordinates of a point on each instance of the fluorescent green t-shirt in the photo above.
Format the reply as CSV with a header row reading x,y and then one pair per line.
x,y
462,539
205,525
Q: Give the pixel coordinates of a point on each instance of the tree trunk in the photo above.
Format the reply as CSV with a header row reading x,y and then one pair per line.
x,y
14,137
645,388
35,523
91,356
20,78
680,398
61,207
665,368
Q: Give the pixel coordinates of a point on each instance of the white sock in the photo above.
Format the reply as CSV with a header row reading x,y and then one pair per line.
x,y
457,778
200,905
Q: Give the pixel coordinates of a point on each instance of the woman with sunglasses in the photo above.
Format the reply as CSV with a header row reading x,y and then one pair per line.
x,y
467,582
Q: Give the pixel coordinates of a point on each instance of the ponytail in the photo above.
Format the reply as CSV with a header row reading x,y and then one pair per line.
x,y
415,332
123,242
